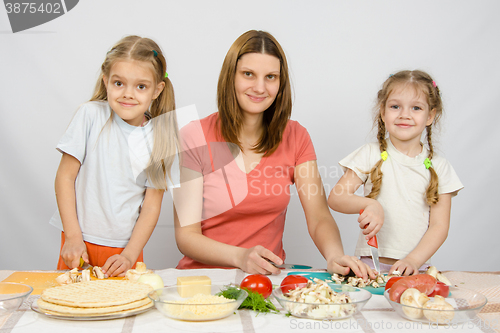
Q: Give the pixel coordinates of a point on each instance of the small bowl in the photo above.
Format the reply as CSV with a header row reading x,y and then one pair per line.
x,y
466,304
332,311
171,304
12,295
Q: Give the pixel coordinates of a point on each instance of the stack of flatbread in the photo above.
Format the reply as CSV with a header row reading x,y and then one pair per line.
x,y
96,298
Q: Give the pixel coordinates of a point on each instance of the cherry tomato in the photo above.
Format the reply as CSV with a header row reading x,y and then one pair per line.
x,y
440,289
391,281
258,283
291,282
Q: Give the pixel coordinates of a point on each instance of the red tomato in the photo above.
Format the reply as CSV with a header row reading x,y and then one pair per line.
x,y
425,283
391,281
440,289
258,283
292,282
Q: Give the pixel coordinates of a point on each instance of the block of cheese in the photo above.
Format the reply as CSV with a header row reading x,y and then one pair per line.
x,y
188,286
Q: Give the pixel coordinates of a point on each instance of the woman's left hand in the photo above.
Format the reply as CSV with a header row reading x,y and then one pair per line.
x,y
345,263
405,266
117,265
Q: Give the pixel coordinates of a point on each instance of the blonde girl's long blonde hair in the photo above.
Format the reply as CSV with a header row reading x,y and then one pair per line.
x,y
165,130
276,116
423,82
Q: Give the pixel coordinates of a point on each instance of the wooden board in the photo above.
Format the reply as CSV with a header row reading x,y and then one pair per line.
x,y
39,280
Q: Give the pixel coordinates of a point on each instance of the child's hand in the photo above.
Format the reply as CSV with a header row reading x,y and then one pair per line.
x,y
342,265
372,218
117,265
406,266
72,251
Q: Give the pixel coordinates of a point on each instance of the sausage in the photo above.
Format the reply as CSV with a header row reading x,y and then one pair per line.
x,y
425,283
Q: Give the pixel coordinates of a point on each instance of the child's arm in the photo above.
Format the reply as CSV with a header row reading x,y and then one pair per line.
x,y
321,225
118,264
434,237
342,199
73,247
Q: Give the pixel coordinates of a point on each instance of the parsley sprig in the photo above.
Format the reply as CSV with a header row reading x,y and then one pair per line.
x,y
254,300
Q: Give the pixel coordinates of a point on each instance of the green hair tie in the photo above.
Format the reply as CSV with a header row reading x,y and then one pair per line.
x,y
383,155
428,163
166,74
155,53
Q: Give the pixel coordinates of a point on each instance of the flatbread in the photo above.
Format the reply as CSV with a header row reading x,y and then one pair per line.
x,y
69,310
97,293
123,312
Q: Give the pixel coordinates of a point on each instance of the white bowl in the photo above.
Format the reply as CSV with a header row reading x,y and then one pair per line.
x,y
169,302
331,311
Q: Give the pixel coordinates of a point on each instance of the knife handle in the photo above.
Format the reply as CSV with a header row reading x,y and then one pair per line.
x,y
372,241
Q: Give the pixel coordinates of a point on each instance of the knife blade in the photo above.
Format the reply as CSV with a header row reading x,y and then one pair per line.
x,y
84,265
288,266
373,243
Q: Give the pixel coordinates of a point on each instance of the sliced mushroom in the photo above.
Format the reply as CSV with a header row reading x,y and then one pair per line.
x,y
64,278
432,271
98,272
444,279
432,310
85,275
413,297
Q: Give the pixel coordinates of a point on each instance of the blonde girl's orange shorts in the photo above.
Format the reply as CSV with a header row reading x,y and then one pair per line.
x,y
98,254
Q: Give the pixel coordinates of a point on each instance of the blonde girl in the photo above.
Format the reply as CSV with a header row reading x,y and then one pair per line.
x,y
117,154
407,186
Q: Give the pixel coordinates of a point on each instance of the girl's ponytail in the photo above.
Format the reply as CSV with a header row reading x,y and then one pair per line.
x,y
166,137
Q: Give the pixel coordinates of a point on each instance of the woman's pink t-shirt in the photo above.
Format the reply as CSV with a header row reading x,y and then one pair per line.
x,y
242,209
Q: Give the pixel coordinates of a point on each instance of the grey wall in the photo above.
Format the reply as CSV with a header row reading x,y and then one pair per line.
x,y
339,53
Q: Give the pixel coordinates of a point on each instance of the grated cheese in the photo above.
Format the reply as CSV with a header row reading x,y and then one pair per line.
x,y
201,307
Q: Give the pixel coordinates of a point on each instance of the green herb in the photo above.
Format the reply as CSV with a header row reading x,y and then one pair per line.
x,y
254,300
230,293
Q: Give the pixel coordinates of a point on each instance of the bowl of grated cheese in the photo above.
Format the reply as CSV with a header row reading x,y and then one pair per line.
x,y
177,302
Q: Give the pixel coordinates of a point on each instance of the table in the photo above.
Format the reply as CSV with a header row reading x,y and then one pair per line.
x,y
377,316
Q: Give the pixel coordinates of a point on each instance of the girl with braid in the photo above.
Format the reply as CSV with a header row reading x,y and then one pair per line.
x,y
407,186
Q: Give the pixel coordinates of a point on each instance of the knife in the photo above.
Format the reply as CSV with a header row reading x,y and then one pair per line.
x,y
372,242
288,266
84,265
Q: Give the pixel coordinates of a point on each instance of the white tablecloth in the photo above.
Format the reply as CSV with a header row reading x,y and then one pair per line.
x,y
377,316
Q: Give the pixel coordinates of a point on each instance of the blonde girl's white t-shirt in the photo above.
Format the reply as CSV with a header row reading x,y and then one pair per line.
x,y
402,195
111,183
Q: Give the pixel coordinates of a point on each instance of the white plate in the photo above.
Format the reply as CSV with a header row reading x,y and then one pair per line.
x,y
34,307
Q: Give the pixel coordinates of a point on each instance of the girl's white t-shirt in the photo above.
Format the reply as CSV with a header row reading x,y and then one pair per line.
x,y
111,183
402,195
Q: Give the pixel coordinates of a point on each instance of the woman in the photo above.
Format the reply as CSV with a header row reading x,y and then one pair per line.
x,y
238,165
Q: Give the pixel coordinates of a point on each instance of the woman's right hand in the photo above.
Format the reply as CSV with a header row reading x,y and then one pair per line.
x,y
255,260
72,251
372,218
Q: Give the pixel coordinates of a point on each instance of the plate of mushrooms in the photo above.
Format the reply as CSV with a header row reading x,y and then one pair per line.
x,y
460,306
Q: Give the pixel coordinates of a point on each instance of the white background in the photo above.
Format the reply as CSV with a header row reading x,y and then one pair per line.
x,y
339,53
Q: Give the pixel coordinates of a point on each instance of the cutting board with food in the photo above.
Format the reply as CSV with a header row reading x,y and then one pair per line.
x,y
378,289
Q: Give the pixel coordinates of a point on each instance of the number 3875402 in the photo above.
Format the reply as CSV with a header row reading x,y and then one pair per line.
x,y
33,7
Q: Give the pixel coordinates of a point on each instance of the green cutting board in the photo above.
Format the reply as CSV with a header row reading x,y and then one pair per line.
x,y
328,276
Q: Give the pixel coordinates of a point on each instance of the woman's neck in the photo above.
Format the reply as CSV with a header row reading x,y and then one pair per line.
x,y
251,131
